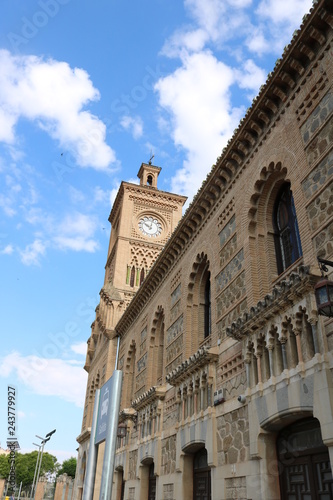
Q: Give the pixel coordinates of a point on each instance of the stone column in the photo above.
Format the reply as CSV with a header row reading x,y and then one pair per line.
x,y
283,341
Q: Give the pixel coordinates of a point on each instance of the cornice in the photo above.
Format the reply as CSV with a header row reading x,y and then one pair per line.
x,y
306,48
282,296
144,191
191,365
127,414
84,436
148,397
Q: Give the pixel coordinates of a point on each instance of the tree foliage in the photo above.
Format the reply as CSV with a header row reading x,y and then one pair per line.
x,y
25,464
68,467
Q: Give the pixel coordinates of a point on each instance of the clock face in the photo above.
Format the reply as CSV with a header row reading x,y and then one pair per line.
x,y
150,226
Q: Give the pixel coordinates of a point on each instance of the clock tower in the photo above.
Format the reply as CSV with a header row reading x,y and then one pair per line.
x,y
142,220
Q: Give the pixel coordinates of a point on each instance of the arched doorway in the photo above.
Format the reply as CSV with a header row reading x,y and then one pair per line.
x,y
152,483
201,476
304,464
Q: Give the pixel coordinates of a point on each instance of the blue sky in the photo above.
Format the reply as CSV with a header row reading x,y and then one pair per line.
x,y
87,91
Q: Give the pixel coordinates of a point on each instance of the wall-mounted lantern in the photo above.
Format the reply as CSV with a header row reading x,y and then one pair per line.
x,y
324,290
122,430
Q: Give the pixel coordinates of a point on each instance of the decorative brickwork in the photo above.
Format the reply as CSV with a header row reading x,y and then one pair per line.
x,y
229,318
314,87
143,256
227,230
233,437
133,460
317,118
235,488
168,464
233,293
226,213
225,276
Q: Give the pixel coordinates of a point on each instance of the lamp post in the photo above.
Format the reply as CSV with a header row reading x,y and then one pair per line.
x,y
324,290
39,463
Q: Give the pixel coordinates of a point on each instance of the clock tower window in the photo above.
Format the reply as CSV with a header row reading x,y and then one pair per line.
x,y
132,277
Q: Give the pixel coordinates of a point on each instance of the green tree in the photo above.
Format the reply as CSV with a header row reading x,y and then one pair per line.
x,y
25,464
68,467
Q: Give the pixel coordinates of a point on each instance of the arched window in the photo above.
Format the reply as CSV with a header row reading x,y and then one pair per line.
x,y
207,308
132,277
150,180
142,275
287,239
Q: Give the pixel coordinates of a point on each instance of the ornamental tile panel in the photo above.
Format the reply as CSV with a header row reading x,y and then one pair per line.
x,y
234,266
317,118
175,330
318,177
176,295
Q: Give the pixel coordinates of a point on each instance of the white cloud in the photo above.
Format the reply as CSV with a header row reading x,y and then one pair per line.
x,y
8,250
53,95
76,196
76,232
80,348
32,253
214,21
197,96
133,124
250,76
288,12
47,377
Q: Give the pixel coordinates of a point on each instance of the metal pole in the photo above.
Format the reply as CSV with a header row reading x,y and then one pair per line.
x,y
19,493
117,352
111,437
33,482
89,478
40,464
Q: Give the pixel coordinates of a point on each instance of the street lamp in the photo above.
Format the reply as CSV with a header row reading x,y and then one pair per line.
x,y
39,461
39,446
324,290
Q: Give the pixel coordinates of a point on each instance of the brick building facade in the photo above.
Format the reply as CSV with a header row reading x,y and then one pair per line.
x,y
228,389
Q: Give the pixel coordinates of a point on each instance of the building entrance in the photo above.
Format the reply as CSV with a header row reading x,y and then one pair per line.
x,y
152,483
304,464
201,476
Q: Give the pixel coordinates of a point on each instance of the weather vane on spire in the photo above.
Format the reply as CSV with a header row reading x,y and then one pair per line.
x,y
151,157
